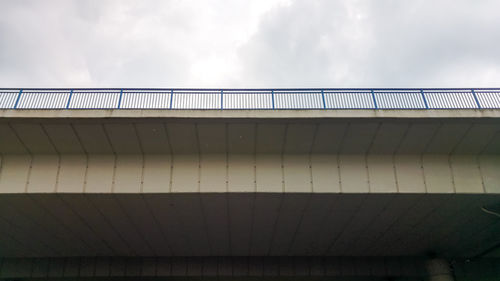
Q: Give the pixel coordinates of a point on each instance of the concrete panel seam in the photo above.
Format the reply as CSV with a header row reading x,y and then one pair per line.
x,y
341,145
431,139
28,174
88,225
19,138
275,226
367,172
198,144
452,172
167,136
310,172
55,218
131,222
229,236
294,235
282,156
226,135
158,225
344,136
13,237
78,138
478,164
252,223
2,159
255,158
108,139
395,151
44,130
170,182
313,140
56,186
205,225
461,139
374,137
421,158
488,143
393,158
47,246
403,137
339,173
142,173
106,220
134,126
344,227
85,175
377,131
316,126
113,177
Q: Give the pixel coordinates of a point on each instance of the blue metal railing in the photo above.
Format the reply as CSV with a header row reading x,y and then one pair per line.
x,y
248,99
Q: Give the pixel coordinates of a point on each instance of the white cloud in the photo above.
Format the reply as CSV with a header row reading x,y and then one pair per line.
x,y
279,43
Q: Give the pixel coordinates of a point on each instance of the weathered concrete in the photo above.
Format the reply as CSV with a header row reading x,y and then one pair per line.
x,y
214,268
240,268
439,270
306,173
245,224
259,114
291,136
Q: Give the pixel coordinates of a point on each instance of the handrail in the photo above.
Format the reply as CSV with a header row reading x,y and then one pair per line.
x,y
250,99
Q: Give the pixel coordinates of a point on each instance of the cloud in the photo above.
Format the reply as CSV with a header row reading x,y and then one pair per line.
x,y
279,43
376,44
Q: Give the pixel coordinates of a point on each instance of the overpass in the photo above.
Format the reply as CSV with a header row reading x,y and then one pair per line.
x,y
338,184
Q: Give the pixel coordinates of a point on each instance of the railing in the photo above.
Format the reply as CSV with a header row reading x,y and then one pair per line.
x,y
270,99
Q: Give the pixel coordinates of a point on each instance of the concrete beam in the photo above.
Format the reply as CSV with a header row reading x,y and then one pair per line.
x,y
307,173
247,114
245,224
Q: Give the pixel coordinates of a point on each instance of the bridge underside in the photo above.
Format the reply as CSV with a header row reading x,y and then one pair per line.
x,y
327,197
246,224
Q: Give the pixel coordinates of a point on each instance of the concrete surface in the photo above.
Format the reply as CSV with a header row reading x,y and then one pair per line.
x,y
80,188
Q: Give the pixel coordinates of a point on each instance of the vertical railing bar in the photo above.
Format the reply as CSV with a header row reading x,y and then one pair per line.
x,y
171,97
475,98
374,100
221,99
272,97
120,99
18,98
323,98
425,100
69,99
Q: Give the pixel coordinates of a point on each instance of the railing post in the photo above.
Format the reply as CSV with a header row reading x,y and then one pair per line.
x,y
475,98
323,98
374,100
69,99
171,97
18,98
221,99
272,97
423,97
120,99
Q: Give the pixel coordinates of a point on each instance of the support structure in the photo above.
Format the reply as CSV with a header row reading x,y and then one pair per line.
x,y
269,194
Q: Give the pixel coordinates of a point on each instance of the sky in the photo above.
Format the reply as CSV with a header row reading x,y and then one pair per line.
x,y
249,44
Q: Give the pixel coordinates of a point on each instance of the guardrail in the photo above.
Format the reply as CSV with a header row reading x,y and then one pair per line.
x,y
250,99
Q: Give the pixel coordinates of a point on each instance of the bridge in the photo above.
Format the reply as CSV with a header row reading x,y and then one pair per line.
x,y
344,184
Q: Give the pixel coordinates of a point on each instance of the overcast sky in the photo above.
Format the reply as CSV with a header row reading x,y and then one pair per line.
x,y
257,43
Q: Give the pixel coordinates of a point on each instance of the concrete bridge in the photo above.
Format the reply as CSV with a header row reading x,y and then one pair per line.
x,y
344,184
